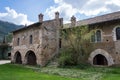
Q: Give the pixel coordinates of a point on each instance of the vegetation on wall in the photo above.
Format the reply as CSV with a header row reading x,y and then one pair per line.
x,y
75,43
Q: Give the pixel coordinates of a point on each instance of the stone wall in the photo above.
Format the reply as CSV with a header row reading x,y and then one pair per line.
x,y
50,39
45,42
24,45
108,43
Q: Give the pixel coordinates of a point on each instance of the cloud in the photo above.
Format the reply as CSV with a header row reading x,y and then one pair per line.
x,y
89,8
64,9
12,16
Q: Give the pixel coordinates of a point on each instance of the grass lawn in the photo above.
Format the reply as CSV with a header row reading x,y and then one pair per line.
x,y
90,73
20,72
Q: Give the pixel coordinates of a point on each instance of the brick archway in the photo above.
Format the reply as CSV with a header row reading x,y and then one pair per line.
x,y
17,58
30,58
101,54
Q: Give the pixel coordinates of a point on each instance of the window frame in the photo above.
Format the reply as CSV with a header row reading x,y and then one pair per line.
x,y
95,36
18,41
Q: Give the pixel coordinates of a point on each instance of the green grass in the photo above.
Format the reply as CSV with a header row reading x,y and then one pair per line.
x,y
112,74
88,73
18,72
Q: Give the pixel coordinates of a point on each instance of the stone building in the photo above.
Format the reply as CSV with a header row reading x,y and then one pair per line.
x,y
106,38
39,42
36,44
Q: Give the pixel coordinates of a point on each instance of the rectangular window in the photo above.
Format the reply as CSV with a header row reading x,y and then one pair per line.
x,y
18,41
98,36
31,39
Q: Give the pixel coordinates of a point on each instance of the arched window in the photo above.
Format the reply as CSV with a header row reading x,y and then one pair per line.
x,y
118,33
18,41
98,36
31,39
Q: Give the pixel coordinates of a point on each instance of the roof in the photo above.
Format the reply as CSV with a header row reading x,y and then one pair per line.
x,y
33,25
98,19
26,27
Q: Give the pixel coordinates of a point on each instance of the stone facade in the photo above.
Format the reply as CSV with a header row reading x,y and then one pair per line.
x,y
109,45
106,50
37,43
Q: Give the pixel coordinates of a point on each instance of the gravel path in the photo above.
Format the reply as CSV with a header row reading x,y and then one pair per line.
x,y
4,61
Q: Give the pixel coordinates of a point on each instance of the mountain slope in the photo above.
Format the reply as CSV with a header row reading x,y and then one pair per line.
x,y
6,27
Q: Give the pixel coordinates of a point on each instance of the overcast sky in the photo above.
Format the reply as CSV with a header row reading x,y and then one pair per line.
x,y
26,11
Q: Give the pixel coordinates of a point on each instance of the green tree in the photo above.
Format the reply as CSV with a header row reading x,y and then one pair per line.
x,y
74,41
9,37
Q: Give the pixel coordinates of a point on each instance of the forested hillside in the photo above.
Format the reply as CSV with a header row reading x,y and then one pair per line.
x,y
6,28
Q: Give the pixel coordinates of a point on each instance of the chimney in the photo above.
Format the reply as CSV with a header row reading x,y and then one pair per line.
x,y
40,16
73,21
56,15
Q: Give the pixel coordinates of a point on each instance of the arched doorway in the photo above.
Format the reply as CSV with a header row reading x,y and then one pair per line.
x,y
100,57
100,60
31,58
18,58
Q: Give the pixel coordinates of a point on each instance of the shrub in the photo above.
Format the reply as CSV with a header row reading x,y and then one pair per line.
x,y
66,58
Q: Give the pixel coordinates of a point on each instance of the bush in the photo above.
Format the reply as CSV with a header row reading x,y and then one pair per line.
x,y
83,66
66,58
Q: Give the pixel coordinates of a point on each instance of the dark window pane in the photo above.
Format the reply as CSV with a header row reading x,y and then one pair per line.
x,y
31,39
60,42
18,41
118,33
9,54
98,36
